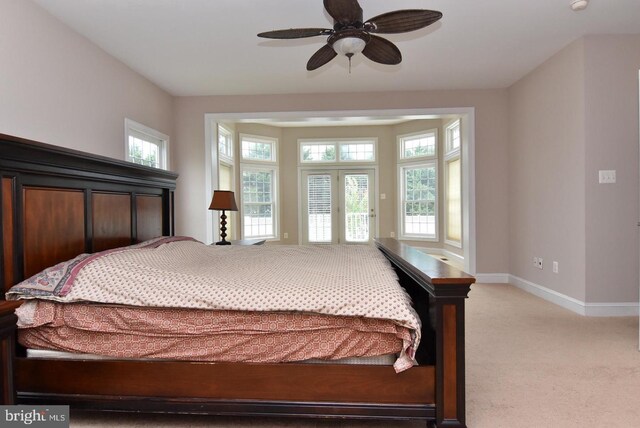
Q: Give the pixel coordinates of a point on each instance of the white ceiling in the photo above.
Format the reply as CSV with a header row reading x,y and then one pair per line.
x,y
209,47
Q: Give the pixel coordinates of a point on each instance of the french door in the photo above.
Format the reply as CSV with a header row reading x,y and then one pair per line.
x,y
338,206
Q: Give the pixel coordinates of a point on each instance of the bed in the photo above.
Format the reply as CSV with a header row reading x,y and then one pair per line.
x,y
58,203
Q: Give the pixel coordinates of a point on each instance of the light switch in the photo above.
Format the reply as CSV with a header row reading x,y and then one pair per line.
x,y
607,176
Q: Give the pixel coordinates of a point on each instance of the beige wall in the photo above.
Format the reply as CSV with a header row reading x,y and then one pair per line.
x,y
546,173
57,87
491,115
611,98
574,115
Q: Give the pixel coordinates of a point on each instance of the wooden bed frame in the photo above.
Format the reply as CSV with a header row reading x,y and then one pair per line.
x,y
57,203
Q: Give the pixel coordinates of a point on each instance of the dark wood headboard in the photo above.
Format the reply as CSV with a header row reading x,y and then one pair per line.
x,y
58,203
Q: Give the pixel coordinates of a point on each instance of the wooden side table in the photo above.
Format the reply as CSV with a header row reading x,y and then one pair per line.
x,y
8,321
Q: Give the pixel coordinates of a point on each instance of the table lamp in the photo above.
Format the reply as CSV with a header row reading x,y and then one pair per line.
x,y
223,200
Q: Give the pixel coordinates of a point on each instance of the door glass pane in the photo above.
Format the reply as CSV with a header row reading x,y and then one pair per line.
x,y
356,201
319,208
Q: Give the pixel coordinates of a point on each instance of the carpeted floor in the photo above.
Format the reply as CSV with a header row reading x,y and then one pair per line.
x,y
529,364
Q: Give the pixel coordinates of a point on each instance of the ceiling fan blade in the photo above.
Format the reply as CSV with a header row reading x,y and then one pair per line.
x,y
382,51
295,33
402,21
344,11
321,57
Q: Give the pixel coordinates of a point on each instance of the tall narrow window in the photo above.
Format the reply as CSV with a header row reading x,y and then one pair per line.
x,y
259,174
145,146
258,203
419,201
418,185
226,172
453,185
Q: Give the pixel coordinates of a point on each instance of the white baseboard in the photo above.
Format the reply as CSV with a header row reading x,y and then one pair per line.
x,y
616,309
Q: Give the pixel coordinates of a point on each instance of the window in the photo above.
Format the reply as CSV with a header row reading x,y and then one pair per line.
x,y
420,145
357,152
262,149
337,151
418,185
452,139
145,146
225,144
318,152
259,202
226,173
419,201
259,175
453,185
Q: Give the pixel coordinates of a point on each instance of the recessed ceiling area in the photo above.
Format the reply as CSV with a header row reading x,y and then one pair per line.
x,y
205,47
311,121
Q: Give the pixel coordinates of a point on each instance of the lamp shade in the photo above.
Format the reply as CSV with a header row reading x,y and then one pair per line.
x,y
223,200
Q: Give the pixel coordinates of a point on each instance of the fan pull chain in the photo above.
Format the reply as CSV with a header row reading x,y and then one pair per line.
x,y
349,55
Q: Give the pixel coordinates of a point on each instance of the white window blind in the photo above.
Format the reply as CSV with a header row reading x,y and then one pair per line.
x,y
319,208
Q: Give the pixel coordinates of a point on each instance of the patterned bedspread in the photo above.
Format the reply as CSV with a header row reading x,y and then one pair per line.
x,y
343,280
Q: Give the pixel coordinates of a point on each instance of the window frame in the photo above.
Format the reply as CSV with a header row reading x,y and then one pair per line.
x,y
451,155
226,157
140,131
275,209
273,142
258,165
337,143
401,139
432,163
227,160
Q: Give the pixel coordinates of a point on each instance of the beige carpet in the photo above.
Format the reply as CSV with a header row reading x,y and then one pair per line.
x,y
529,364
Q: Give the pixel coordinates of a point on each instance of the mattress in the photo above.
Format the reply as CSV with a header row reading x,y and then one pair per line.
x,y
116,331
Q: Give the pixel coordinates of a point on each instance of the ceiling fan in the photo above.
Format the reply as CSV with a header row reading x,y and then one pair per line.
x,y
351,35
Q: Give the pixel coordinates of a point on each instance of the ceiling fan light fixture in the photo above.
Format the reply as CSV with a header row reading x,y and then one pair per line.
x,y
349,46
349,42
577,5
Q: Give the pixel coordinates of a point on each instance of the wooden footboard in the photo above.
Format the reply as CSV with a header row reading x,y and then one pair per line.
x,y
94,203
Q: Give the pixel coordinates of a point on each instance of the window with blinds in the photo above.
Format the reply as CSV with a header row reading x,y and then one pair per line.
x,y
453,185
319,208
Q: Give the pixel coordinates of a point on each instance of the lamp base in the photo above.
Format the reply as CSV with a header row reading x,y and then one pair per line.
x,y
223,243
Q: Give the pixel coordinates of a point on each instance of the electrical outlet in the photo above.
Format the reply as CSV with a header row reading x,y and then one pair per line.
x,y
285,235
555,267
540,265
392,234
